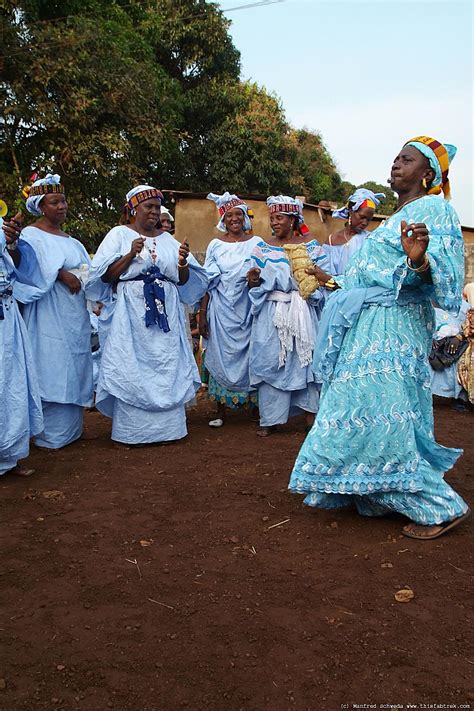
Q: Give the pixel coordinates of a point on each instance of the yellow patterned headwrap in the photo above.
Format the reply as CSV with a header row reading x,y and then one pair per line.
x,y
440,156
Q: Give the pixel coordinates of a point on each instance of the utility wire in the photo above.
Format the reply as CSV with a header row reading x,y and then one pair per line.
x,y
59,43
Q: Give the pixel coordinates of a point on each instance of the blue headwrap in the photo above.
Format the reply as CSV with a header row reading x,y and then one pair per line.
x,y
286,205
355,201
434,160
52,184
227,202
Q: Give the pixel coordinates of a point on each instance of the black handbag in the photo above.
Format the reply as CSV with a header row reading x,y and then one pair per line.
x,y
440,357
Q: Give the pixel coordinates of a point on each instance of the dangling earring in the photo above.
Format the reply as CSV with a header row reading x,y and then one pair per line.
x,y
424,183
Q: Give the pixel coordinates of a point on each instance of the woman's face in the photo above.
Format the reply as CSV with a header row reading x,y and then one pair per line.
x,y
148,213
234,221
408,169
54,208
165,222
360,219
281,224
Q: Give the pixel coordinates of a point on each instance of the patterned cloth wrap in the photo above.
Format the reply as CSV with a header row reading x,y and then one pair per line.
x,y
154,295
360,198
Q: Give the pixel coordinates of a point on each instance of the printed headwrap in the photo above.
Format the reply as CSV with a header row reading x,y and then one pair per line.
x,y
360,198
141,193
286,205
440,156
44,186
226,202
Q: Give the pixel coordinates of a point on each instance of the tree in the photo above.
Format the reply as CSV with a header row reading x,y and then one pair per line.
x,y
111,94
314,172
248,152
73,105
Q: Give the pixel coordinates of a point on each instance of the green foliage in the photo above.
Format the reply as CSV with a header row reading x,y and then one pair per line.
x,y
110,94
314,174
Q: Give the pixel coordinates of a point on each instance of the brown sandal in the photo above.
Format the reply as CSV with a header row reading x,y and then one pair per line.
x,y
444,528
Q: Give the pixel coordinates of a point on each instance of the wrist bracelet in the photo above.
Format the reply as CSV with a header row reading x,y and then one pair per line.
x,y
422,268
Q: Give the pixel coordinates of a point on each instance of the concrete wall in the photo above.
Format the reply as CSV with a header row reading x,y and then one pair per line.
x,y
196,219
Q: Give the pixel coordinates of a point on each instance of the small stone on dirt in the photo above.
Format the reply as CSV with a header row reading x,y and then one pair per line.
x,y
404,595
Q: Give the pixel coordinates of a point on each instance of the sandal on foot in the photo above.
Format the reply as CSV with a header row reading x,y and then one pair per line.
x,y
442,528
218,422
266,431
21,471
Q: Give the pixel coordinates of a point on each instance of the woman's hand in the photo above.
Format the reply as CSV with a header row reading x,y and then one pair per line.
x,y
12,228
70,280
203,324
253,277
415,239
321,276
137,246
183,254
452,344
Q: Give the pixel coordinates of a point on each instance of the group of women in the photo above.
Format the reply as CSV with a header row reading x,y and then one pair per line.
x,y
351,355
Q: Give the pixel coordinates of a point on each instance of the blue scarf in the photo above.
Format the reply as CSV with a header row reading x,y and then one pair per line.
x,y
154,294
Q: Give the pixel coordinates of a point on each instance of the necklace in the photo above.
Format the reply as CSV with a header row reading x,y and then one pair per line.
x,y
152,249
347,237
236,239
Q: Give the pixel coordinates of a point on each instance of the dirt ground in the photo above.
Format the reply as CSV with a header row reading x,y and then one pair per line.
x,y
159,578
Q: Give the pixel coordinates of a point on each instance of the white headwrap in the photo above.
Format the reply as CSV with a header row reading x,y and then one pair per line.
x,y
32,202
164,211
286,205
227,202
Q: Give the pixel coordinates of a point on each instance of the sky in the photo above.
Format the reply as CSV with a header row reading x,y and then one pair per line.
x,y
368,76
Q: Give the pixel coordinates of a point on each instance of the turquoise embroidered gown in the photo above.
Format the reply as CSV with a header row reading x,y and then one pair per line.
x,y
372,442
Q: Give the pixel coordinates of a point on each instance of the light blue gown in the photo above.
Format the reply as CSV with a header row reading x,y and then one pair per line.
x,y
59,330
288,389
339,254
372,442
444,383
228,312
21,415
146,375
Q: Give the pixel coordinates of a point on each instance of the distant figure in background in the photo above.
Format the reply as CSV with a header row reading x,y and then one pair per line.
x,y
358,212
449,344
56,316
166,219
224,316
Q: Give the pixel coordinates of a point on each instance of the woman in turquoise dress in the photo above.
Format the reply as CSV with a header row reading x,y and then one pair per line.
x,y
372,443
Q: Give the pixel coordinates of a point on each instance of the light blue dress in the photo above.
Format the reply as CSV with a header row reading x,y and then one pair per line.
x,y
229,318
372,442
146,375
444,383
339,254
59,330
285,389
21,415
